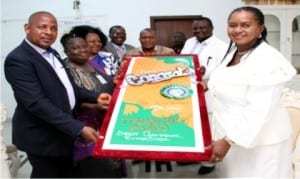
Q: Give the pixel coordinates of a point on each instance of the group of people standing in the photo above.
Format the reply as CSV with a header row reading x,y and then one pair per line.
x,y
63,101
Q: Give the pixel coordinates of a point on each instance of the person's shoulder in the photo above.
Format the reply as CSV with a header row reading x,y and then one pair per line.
x,y
218,45
164,49
133,51
191,39
128,46
267,49
218,40
266,45
268,66
105,53
108,45
19,50
265,55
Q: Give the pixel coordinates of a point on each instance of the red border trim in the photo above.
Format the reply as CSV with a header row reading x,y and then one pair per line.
x,y
157,155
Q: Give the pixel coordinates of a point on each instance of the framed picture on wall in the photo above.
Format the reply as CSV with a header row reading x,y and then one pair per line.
x,y
158,112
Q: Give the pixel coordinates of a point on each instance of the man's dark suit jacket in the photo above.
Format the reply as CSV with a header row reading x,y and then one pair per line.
x,y
43,122
109,47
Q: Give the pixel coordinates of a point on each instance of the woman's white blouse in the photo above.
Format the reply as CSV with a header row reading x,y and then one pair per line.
x,y
246,98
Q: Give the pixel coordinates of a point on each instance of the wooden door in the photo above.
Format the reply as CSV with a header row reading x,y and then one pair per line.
x,y
166,26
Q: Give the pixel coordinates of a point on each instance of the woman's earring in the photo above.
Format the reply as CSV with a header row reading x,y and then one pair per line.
x,y
259,36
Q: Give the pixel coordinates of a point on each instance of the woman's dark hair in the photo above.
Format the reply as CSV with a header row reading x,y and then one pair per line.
x,y
83,30
65,38
259,16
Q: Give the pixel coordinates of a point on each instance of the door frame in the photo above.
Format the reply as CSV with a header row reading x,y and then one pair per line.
x,y
164,36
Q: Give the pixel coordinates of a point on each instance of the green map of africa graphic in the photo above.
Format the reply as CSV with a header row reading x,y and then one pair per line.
x,y
141,127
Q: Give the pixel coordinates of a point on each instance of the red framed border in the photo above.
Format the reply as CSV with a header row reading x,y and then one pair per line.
x,y
99,152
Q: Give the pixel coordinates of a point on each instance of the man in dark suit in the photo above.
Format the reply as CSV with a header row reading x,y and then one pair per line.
x,y
43,122
117,45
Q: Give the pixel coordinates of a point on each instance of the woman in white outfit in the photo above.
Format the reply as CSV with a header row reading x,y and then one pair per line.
x,y
251,127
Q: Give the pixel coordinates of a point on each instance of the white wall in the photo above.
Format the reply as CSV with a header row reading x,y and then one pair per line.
x,y
134,15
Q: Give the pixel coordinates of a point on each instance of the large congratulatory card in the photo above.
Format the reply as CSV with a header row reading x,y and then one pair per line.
x,y
157,112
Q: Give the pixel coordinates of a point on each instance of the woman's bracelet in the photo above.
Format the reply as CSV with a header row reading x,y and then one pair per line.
x,y
230,142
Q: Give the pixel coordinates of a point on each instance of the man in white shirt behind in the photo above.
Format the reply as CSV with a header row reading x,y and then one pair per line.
x,y
210,51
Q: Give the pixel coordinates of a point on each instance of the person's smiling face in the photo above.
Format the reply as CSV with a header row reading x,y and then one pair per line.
x,y
244,29
77,50
202,30
147,40
94,43
41,30
118,36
